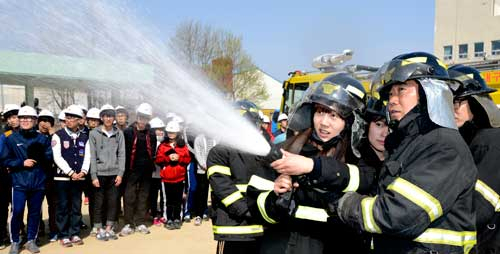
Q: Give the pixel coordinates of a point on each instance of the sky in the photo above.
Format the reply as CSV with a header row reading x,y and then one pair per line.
x,y
283,36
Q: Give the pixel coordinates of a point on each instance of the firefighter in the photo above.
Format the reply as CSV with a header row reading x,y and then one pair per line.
x,y
424,201
228,174
322,154
26,156
478,120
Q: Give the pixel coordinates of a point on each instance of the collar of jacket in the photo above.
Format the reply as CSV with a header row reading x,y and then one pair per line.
x,y
28,133
414,123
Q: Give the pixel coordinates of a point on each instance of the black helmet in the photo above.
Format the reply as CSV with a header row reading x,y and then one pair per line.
x,y
406,67
374,109
248,110
339,92
472,82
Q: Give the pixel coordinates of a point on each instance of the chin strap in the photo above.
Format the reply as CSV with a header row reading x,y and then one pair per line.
x,y
325,145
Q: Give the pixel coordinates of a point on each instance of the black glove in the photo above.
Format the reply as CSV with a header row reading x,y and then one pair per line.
x,y
331,202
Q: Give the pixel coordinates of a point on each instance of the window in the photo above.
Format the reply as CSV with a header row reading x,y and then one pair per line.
x,y
495,48
293,94
463,49
479,49
448,53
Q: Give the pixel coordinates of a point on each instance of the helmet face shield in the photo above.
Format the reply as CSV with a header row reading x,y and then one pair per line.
x,y
490,109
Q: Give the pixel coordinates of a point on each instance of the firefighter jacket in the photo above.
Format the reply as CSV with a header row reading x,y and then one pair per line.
x,y
228,173
22,145
424,201
172,171
485,149
306,218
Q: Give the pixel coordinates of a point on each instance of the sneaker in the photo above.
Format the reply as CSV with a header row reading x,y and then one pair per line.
x,y
14,248
66,242
101,235
197,221
76,240
156,221
3,246
177,224
32,247
187,218
83,226
86,201
170,225
126,230
111,235
142,229
163,220
52,237
94,231
205,217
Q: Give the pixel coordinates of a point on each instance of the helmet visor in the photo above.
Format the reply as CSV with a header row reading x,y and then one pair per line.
x,y
337,98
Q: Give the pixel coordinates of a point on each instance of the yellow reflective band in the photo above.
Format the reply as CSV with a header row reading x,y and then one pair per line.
x,y
311,213
417,59
261,183
489,194
242,187
353,184
218,169
418,196
355,91
441,63
367,211
232,230
232,198
261,203
466,239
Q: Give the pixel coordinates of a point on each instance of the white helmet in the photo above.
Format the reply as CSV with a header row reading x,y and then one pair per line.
x,y
178,119
145,109
107,108
156,123
173,126
10,107
46,112
27,111
282,117
62,115
265,119
74,110
93,113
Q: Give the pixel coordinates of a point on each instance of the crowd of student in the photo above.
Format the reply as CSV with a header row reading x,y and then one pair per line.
x,y
98,153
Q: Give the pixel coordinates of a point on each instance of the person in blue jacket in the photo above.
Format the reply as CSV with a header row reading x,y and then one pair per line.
x,y
26,155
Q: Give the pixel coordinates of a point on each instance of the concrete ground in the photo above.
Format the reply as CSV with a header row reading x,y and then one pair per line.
x,y
188,239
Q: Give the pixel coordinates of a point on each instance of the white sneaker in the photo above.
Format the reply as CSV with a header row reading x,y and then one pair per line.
x,y
142,229
197,221
126,230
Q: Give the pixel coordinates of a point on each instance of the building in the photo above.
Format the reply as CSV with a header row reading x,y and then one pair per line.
x,y
468,32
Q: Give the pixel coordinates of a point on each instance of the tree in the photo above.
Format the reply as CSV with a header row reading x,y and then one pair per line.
x,y
220,54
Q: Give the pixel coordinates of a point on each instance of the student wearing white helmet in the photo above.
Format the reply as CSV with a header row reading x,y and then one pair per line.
x,y
121,117
26,155
283,121
107,145
93,118
265,130
158,126
173,156
46,127
10,116
72,156
61,117
140,144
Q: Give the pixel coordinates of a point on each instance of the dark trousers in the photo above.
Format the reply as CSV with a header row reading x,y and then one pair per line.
x,y
106,201
5,198
89,192
153,198
173,193
68,208
200,195
50,195
230,247
19,199
136,199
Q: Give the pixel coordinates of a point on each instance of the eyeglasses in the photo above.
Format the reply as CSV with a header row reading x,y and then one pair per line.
x,y
458,102
26,119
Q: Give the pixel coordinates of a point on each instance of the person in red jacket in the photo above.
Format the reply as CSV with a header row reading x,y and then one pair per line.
x,y
173,157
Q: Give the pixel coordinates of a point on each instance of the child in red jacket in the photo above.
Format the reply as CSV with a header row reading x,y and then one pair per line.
x,y
173,157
